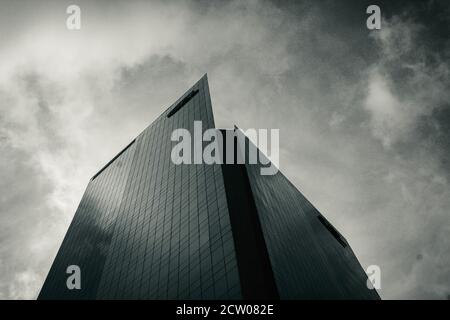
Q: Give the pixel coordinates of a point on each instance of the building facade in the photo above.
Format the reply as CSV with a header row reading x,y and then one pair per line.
x,y
149,229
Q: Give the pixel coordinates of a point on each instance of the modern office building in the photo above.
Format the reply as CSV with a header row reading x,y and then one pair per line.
x,y
147,228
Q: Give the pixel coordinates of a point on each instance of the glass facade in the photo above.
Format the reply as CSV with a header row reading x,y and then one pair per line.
x,y
149,229
309,259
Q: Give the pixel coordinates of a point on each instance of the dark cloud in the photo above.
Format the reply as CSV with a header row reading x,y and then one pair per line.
x,y
363,116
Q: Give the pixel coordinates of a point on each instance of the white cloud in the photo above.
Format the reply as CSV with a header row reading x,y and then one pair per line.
x,y
391,119
402,86
25,285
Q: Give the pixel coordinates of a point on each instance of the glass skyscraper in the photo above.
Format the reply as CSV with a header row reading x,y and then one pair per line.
x,y
149,229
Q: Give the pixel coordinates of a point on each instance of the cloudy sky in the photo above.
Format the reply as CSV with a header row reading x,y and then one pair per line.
x,y
364,116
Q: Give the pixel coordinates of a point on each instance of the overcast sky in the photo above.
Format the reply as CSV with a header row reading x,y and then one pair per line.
x,y
364,116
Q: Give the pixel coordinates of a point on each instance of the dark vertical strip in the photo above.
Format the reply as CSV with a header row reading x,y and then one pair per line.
x,y
255,271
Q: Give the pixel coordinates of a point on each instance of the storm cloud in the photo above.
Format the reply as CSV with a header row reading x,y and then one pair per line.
x,y
363,116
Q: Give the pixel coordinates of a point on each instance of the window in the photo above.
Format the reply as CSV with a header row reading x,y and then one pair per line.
x,y
333,231
182,103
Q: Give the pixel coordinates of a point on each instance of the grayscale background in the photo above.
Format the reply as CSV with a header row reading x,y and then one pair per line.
x,y
364,116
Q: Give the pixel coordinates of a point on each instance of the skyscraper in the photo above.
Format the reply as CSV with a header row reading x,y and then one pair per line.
x,y
147,228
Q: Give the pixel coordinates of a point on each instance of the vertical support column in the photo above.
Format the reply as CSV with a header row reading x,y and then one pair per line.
x,y
255,271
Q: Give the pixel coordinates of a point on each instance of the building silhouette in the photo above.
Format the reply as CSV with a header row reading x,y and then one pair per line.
x,y
149,229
